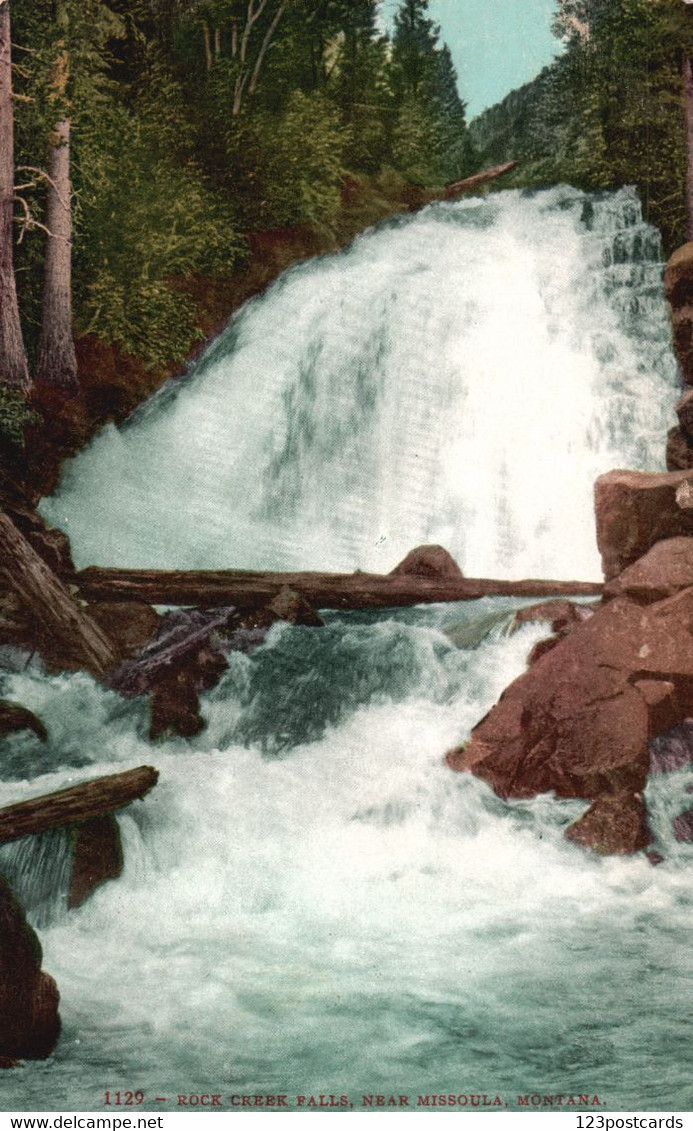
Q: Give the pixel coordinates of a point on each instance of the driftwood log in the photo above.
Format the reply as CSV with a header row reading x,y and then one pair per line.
x,y
247,589
471,184
183,635
55,611
75,805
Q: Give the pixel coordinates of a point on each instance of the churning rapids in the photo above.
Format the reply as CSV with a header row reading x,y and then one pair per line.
x,y
312,903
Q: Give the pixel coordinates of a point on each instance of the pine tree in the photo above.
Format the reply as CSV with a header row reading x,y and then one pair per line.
x,y
13,361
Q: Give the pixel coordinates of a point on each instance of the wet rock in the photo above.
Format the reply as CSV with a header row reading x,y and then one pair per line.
x,y
29,1020
683,827
679,451
560,614
97,857
634,510
290,606
541,648
131,625
429,561
672,750
664,570
616,824
580,721
14,717
684,411
678,284
175,708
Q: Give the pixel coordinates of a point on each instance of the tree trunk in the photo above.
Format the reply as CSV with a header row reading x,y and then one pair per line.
x,y
208,45
470,184
247,589
55,611
13,362
79,803
57,364
688,105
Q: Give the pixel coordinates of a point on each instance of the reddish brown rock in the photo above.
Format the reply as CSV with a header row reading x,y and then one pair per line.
x,y
678,283
541,648
560,614
664,570
580,721
29,1021
616,824
683,827
289,606
175,708
684,411
679,451
428,561
14,717
97,857
634,510
130,624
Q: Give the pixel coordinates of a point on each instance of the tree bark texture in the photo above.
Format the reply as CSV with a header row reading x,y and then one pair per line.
x,y
77,804
51,604
470,184
13,363
57,364
688,105
248,589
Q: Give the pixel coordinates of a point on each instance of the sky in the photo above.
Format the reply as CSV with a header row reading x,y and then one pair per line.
x,y
496,45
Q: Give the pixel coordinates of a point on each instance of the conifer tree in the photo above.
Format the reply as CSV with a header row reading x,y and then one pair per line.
x,y
13,362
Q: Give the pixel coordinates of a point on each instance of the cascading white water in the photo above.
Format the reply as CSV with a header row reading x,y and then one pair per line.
x,y
460,376
312,903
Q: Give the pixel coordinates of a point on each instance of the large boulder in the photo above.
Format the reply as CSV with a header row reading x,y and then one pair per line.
x,y
678,285
684,411
615,824
429,561
580,720
29,1020
635,509
664,570
679,450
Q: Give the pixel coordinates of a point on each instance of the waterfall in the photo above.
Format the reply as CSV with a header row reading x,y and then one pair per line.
x,y
312,903
459,376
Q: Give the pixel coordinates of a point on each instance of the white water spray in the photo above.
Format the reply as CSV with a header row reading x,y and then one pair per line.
x,y
312,903
460,376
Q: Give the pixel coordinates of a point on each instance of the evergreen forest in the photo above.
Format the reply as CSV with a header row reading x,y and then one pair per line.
x,y
154,152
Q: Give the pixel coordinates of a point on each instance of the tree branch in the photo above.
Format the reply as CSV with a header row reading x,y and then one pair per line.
x,y
265,46
29,222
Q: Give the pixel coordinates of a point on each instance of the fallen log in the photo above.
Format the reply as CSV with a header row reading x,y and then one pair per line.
x,y
247,589
180,639
75,805
79,640
471,184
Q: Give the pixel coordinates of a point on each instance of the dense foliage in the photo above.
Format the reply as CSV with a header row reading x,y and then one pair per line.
x,y
194,122
609,111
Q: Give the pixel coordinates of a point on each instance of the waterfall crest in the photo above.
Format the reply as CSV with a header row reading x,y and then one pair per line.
x,y
459,376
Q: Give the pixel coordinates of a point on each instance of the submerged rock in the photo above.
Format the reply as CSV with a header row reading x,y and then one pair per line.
x,y
636,509
29,1020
